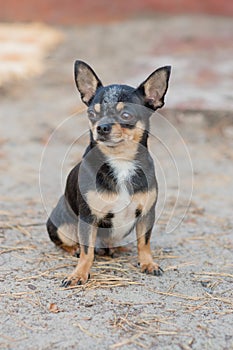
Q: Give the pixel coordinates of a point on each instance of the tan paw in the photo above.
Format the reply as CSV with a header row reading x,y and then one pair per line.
x,y
75,279
151,268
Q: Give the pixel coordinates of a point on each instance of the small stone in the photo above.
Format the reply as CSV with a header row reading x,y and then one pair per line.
x,y
167,250
31,286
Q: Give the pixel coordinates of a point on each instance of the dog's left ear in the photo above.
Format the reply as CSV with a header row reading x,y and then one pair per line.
x,y
155,87
86,81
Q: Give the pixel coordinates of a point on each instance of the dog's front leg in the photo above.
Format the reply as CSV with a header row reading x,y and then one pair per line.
x,y
87,237
143,230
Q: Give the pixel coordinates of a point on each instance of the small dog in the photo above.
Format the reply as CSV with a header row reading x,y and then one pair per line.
x,y
113,189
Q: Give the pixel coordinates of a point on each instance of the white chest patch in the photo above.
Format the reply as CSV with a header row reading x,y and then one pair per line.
x,y
123,169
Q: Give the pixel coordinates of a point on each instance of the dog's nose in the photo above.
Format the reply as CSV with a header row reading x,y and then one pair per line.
x,y
104,129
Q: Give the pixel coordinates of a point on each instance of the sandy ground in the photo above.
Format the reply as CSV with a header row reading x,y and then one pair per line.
x,y
191,305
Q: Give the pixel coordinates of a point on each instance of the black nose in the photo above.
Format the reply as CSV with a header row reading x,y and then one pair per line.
x,y
104,129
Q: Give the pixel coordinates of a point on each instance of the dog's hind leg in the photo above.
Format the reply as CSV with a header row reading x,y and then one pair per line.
x,y
62,227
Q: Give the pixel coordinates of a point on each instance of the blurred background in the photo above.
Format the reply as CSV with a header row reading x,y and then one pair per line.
x,y
125,40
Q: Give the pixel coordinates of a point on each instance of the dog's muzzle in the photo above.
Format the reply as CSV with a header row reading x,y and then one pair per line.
x,y
103,131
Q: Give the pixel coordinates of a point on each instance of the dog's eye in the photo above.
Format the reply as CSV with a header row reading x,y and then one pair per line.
x,y
126,116
91,114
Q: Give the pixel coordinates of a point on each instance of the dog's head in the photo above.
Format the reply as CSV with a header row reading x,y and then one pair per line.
x,y
117,113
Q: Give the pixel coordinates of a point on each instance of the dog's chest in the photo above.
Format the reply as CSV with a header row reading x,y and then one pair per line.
x,y
121,206
125,207
123,170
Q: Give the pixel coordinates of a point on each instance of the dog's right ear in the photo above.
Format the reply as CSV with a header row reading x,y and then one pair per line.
x,y
86,81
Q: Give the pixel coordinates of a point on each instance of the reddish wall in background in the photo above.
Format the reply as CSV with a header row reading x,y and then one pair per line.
x,y
83,11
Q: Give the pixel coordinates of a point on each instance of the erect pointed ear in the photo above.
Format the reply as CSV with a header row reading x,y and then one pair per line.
x,y
155,87
86,81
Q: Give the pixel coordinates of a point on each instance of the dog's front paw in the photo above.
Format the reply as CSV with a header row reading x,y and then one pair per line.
x,y
76,279
151,268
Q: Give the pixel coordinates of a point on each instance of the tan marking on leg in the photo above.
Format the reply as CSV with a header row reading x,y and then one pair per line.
x,y
145,200
140,207
144,251
101,203
81,272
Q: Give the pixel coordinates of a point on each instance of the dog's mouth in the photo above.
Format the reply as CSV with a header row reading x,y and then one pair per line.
x,y
109,142
111,139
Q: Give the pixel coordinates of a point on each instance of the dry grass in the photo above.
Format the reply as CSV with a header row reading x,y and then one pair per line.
x,y
144,325
115,273
120,272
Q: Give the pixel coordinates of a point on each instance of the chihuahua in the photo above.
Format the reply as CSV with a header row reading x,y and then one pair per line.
x,y
113,190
